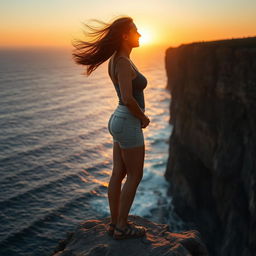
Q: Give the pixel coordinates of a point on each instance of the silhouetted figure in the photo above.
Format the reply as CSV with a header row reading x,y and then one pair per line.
x,y
115,41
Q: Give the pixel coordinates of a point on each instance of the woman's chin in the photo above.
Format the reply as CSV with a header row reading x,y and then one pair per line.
x,y
137,44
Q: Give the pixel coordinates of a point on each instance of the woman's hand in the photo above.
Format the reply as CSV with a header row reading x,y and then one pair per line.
x,y
145,122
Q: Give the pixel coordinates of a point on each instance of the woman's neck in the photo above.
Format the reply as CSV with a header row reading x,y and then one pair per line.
x,y
125,51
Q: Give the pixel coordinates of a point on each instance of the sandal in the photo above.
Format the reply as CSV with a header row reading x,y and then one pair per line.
x,y
111,228
130,231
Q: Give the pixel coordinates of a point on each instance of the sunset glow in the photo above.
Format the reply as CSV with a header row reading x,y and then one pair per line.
x,y
169,23
146,36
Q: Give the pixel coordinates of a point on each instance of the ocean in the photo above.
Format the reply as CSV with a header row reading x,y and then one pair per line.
x,y
56,151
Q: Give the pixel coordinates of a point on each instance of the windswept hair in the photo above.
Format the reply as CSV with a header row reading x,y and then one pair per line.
x,y
105,41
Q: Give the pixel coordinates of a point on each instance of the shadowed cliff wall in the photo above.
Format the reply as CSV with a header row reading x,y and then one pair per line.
x,y
212,155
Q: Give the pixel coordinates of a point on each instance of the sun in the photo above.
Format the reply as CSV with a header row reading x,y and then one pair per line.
x,y
146,36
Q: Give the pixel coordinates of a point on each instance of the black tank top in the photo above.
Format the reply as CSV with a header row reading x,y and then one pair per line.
x,y
139,83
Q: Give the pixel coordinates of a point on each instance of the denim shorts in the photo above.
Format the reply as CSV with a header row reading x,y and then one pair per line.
x,y
125,128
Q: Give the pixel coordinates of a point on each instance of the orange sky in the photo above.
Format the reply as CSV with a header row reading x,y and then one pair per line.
x,y
167,22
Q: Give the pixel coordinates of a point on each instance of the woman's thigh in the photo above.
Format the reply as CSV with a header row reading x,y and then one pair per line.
x,y
119,169
128,142
133,159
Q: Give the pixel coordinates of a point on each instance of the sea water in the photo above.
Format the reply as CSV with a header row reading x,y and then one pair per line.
x,y
56,151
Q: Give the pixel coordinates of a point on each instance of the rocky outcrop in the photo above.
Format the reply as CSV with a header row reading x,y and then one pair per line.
x,y
212,154
91,238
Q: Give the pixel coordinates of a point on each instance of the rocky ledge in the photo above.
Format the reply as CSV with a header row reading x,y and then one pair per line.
x,y
91,239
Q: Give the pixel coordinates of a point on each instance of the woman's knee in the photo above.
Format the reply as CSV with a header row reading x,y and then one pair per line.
x,y
135,177
118,175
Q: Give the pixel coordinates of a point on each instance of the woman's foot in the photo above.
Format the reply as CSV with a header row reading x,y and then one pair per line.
x,y
129,231
111,228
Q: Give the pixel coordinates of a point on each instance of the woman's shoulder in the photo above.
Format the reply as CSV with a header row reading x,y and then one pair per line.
x,y
125,61
115,64
121,58
115,61
121,62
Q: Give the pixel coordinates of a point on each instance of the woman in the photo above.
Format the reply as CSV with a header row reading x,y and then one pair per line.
x,y
115,41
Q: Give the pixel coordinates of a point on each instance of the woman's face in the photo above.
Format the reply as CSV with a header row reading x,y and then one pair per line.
x,y
132,38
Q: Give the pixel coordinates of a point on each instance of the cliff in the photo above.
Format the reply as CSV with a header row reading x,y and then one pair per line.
x,y
212,153
91,239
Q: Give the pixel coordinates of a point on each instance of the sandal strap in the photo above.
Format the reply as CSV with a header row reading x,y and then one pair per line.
x,y
134,230
130,229
125,231
121,230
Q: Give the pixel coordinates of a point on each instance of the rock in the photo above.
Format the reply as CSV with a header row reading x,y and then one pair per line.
x,y
91,239
212,153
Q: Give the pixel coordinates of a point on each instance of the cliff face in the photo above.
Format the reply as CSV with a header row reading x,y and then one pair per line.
x,y
212,157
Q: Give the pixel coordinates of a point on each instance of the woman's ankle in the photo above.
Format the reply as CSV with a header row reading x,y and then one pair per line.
x,y
121,224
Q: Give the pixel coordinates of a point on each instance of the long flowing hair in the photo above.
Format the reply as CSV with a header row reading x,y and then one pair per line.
x,y
105,41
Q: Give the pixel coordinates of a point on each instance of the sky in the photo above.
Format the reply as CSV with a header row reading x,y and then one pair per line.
x,y
55,23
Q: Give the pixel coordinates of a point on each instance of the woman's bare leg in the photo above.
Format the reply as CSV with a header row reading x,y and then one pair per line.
x,y
114,187
133,159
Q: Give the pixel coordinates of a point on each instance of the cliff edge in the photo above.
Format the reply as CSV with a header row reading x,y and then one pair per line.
x,y
212,153
91,238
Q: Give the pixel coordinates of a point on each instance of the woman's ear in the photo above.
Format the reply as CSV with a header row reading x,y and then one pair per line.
x,y
125,37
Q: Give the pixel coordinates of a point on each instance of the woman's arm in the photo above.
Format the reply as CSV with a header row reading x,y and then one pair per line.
x,y
124,75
